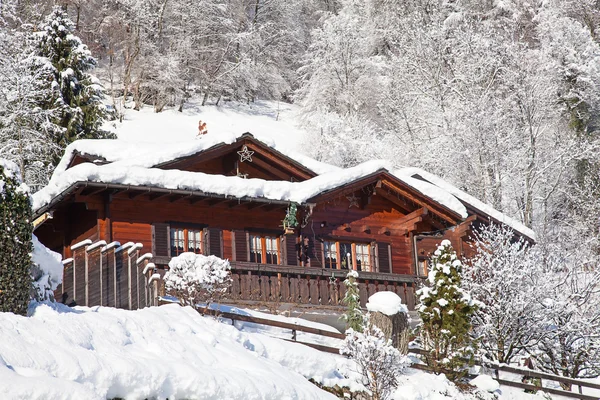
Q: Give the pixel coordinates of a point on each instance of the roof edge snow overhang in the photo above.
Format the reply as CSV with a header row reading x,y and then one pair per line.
x,y
152,189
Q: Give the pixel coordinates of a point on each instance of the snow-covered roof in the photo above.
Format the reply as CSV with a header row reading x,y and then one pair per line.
x,y
151,154
416,173
134,163
232,186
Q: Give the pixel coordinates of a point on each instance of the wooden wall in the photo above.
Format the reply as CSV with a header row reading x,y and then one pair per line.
x,y
126,219
70,224
364,223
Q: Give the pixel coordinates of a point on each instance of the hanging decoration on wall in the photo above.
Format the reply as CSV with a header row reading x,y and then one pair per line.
x,y
353,201
290,222
245,154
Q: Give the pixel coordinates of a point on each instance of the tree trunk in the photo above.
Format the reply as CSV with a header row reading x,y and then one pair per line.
x,y
394,327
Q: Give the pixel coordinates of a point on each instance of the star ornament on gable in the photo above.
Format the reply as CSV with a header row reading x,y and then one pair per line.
x,y
245,154
353,201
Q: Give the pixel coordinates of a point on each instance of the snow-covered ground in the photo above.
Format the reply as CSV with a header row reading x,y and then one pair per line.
x,y
268,119
171,352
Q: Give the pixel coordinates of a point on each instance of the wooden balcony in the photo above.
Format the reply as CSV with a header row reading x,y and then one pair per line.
x,y
311,286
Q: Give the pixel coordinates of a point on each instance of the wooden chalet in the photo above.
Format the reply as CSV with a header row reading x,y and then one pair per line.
x,y
230,202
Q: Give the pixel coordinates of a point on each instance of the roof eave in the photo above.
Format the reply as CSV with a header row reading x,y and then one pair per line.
x,y
153,189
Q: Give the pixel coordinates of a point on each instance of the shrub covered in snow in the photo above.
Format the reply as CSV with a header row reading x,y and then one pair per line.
x,y
503,275
195,278
353,315
446,311
46,271
15,241
378,363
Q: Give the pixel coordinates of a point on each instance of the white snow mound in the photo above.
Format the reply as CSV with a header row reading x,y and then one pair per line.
x,y
388,303
486,383
158,352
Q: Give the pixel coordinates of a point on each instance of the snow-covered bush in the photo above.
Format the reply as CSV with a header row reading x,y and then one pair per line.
x,y
46,271
195,278
378,363
15,240
446,310
504,276
569,338
353,315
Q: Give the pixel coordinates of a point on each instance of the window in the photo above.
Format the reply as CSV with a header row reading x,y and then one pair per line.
x,y
264,249
330,250
363,257
183,240
348,255
423,266
345,255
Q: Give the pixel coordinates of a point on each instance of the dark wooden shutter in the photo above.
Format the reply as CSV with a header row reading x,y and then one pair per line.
x,y
383,254
291,250
315,252
241,245
214,241
160,239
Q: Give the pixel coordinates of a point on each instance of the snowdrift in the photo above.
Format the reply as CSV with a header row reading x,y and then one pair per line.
x,y
157,353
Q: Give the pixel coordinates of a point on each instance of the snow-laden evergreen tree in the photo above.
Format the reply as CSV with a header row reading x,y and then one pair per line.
x,y
353,316
27,130
77,95
446,311
378,363
15,240
507,278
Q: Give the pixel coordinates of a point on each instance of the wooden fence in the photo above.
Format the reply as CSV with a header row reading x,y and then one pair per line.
x,y
101,274
494,368
312,286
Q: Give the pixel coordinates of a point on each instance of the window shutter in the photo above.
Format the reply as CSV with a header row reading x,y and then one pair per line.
x,y
241,245
315,252
291,250
160,239
383,256
215,241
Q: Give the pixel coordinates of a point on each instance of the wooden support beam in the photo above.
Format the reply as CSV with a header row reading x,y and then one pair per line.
x,y
384,231
135,194
179,197
235,203
271,207
401,203
156,196
254,206
277,161
198,199
214,202
270,169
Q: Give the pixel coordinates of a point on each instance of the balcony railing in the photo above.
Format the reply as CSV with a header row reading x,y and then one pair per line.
x,y
312,286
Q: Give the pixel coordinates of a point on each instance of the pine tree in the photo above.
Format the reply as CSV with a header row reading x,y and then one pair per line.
x,y
76,93
15,241
26,129
445,310
353,315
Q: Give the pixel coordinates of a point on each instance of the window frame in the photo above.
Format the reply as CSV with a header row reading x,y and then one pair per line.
x,y
264,251
186,240
371,254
